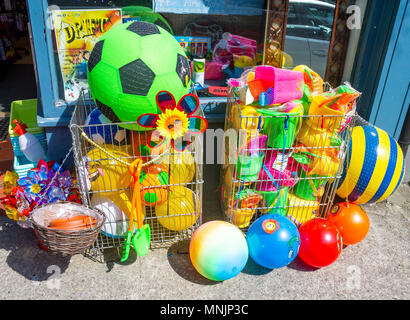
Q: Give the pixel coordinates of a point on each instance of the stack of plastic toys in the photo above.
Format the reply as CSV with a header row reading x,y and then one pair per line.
x,y
290,137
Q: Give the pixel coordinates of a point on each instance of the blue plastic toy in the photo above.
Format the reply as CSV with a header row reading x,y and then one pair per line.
x,y
273,241
101,131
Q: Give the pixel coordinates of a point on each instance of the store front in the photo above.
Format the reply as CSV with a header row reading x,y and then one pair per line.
x,y
306,101
342,40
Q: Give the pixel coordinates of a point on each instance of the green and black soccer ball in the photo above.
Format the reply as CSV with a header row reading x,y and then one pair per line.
x,y
129,65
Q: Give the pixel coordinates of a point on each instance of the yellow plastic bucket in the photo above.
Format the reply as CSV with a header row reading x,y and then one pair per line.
x,y
241,211
314,137
246,117
323,166
241,217
332,118
301,210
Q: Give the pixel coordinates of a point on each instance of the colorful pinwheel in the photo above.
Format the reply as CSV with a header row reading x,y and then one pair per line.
x,y
175,120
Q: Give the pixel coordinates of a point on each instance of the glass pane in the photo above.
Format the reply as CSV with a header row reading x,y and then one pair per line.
x,y
308,34
204,22
241,22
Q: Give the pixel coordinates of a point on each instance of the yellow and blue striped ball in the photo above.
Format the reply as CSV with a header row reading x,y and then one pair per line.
x,y
374,166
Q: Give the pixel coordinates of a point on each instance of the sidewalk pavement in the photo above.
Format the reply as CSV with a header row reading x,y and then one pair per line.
x,y
376,268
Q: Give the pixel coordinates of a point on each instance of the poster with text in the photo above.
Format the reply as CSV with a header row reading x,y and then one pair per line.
x,y
76,33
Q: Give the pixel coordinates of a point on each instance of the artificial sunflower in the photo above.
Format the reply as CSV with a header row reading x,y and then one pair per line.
x,y
172,124
175,120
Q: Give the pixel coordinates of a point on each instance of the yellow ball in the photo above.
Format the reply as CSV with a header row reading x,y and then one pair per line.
x,y
180,211
106,173
181,167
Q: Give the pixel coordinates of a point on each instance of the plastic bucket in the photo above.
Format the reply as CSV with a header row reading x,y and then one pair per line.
x,y
241,217
242,207
281,127
287,84
248,167
332,118
323,166
276,201
311,79
309,188
247,118
314,136
275,172
300,210
26,112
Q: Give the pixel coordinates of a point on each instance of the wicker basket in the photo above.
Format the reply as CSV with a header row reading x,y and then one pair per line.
x,y
66,242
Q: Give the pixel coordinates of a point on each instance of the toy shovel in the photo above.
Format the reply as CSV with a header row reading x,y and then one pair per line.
x,y
142,238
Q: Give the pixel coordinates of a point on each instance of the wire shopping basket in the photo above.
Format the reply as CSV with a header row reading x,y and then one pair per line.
x,y
171,181
283,163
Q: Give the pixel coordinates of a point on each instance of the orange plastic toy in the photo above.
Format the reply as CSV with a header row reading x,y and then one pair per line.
x,y
74,223
154,180
241,213
147,143
351,221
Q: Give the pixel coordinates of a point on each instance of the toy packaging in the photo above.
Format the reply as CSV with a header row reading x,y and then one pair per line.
x,y
195,47
44,184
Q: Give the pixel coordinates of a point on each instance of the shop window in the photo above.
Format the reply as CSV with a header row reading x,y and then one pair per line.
x,y
308,33
304,37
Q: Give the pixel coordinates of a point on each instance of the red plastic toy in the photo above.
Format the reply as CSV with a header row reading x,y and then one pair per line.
x,y
320,242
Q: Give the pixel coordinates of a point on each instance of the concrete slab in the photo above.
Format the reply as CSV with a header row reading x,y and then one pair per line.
x,y
407,162
376,268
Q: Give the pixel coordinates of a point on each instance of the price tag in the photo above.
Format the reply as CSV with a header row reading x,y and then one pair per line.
x,y
281,161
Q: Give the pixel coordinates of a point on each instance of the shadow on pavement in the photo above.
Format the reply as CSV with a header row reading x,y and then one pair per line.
x,y
255,269
178,258
25,255
299,265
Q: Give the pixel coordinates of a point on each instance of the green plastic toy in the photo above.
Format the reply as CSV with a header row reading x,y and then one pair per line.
x,y
129,65
142,238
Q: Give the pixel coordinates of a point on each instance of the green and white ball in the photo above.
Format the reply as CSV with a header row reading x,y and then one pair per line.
x,y
129,65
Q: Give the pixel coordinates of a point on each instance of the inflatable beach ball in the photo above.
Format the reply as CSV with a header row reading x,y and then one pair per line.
x,y
374,166
181,166
105,173
129,65
218,250
180,211
273,241
320,243
117,208
101,131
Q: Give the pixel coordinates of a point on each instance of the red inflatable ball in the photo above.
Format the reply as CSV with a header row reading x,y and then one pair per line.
x,y
351,221
320,243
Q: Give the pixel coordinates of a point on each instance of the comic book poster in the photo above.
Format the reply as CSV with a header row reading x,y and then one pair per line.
x,y
76,33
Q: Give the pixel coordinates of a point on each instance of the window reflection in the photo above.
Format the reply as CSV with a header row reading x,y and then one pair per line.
x,y
309,29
